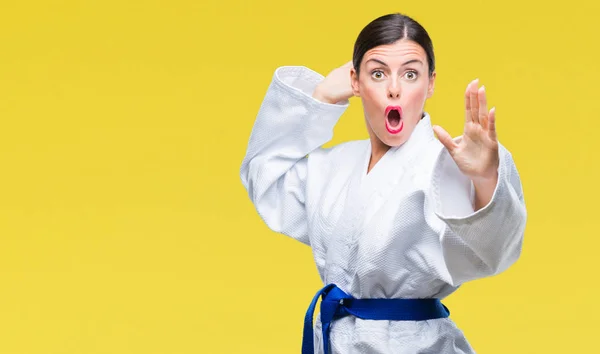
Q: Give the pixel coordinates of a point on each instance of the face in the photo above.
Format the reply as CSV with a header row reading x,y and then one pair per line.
x,y
393,84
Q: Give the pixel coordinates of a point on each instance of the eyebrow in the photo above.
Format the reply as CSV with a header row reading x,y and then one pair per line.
x,y
405,63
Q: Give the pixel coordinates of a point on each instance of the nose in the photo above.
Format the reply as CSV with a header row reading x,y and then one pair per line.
x,y
394,90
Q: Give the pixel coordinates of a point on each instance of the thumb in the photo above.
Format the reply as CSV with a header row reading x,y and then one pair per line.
x,y
445,138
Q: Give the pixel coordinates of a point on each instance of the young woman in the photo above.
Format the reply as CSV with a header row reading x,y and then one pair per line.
x,y
396,222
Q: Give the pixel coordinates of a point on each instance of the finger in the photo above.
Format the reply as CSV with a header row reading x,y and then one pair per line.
x,y
468,103
445,138
483,112
492,124
474,101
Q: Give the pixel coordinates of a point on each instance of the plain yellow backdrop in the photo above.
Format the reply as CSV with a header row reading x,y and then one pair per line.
x,y
124,227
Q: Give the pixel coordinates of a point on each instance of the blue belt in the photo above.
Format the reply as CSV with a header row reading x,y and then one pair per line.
x,y
337,304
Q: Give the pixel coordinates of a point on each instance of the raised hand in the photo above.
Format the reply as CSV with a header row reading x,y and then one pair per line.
x,y
476,153
336,87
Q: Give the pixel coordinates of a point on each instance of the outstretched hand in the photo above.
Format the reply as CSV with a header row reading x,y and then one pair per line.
x,y
476,153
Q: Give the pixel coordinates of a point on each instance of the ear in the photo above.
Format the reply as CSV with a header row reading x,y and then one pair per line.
x,y
431,86
354,82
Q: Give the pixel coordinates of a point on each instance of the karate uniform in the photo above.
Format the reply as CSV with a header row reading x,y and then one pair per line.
x,y
406,229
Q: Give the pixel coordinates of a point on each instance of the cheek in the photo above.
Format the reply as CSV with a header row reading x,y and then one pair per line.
x,y
371,94
416,97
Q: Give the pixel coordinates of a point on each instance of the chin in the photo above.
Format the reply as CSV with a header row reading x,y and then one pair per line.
x,y
393,140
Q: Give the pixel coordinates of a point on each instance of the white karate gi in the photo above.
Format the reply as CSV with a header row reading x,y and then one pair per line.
x,y
407,229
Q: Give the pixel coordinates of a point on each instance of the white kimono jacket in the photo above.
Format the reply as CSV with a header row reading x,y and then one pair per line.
x,y
407,229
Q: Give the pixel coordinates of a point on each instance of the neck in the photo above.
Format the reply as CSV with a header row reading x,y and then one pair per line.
x,y
378,149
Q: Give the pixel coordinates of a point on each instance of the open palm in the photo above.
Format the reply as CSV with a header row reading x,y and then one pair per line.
x,y
476,153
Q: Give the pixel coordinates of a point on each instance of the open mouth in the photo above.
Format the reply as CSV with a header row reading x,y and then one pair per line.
x,y
393,119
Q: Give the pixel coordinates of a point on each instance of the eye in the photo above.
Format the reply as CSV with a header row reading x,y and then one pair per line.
x,y
377,74
411,75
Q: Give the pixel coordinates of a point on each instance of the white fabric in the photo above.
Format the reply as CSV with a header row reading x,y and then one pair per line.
x,y
406,229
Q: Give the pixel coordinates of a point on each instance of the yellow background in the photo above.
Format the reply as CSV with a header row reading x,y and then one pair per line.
x,y
124,227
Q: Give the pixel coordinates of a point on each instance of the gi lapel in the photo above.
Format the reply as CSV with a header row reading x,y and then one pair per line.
x,y
395,170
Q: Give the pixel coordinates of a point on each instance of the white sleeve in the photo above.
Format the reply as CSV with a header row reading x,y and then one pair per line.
x,y
289,126
481,243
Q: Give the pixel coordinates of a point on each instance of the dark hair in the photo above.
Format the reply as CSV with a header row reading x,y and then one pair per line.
x,y
388,29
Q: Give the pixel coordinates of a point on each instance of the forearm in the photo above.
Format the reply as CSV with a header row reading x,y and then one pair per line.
x,y
289,125
321,95
482,234
484,191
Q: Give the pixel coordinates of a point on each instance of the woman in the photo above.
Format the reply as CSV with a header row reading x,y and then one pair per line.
x,y
401,217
